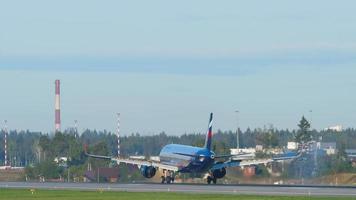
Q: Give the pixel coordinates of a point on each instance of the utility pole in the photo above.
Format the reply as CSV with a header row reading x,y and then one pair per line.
x,y
237,131
76,128
5,135
98,175
118,135
314,173
311,118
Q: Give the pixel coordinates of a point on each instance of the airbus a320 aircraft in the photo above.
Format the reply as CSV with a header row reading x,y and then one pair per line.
x,y
175,158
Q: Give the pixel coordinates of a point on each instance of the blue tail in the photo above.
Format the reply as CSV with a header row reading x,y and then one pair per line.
x,y
209,134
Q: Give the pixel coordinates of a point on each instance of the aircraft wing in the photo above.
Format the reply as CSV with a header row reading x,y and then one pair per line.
x,y
242,163
97,156
287,156
146,163
232,156
138,163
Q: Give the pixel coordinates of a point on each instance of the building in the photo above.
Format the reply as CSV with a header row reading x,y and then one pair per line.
x,y
245,150
103,174
138,157
61,161
259,148
249,171
351,154
328,147
337,128
155,158
292,145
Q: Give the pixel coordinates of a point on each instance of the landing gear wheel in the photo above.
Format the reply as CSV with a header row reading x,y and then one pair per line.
x,y
163,179
214,180
209,179
168,179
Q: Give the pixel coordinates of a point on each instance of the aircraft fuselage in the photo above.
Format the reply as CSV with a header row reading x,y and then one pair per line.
x,y
188,159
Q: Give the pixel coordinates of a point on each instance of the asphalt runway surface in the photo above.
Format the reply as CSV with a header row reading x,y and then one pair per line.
x,y
271,190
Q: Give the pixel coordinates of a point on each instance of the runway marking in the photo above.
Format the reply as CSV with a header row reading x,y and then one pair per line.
x,y
219,189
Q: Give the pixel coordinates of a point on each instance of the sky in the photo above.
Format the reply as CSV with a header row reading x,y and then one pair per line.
x,y
165,65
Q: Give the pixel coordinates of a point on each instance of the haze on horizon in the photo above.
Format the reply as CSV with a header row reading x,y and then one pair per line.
x,y
166,65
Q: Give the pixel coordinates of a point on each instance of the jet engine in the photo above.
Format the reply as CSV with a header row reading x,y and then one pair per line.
x,y
148,171
219,173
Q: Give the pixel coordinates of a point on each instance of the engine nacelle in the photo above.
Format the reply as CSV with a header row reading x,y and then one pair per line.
x,y
219,173
148,171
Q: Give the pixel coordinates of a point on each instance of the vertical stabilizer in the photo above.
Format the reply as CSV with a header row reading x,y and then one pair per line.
x,y
209,134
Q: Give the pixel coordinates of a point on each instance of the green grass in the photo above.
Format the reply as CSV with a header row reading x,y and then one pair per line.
x,y
23,194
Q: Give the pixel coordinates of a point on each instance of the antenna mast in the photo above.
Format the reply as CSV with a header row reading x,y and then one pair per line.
x,y
118,135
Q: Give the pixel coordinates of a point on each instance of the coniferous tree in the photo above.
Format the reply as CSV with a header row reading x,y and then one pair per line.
x,y
303,134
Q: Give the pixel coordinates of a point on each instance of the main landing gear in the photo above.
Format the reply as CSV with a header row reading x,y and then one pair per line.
x,y
210,179
216,174
168,177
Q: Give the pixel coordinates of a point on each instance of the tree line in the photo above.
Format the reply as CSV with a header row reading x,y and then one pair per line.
x,y
26,147
37,151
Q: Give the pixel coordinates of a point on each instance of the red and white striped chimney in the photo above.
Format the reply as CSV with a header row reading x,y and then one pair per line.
x,y
57,107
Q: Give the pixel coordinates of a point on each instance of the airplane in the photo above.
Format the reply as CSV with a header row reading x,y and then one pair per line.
x,y
177,158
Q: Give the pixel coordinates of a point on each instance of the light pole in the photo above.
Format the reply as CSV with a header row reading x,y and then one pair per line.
x,y
76,128
118,134
237,130
5,141
311,118
314,173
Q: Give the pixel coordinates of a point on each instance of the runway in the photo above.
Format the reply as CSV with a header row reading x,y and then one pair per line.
x,y
193,188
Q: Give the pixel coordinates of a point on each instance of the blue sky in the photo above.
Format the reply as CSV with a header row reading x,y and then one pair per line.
x,y
166,65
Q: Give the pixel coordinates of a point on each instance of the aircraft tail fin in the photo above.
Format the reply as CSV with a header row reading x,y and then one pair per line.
x,y
209,134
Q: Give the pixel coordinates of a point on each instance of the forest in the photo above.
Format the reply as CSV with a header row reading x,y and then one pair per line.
x,y
37,151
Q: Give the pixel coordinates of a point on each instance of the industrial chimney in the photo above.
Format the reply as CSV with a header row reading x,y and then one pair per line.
x,y
57,107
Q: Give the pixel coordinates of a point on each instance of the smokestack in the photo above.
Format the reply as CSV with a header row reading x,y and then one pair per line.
x,y
57,107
